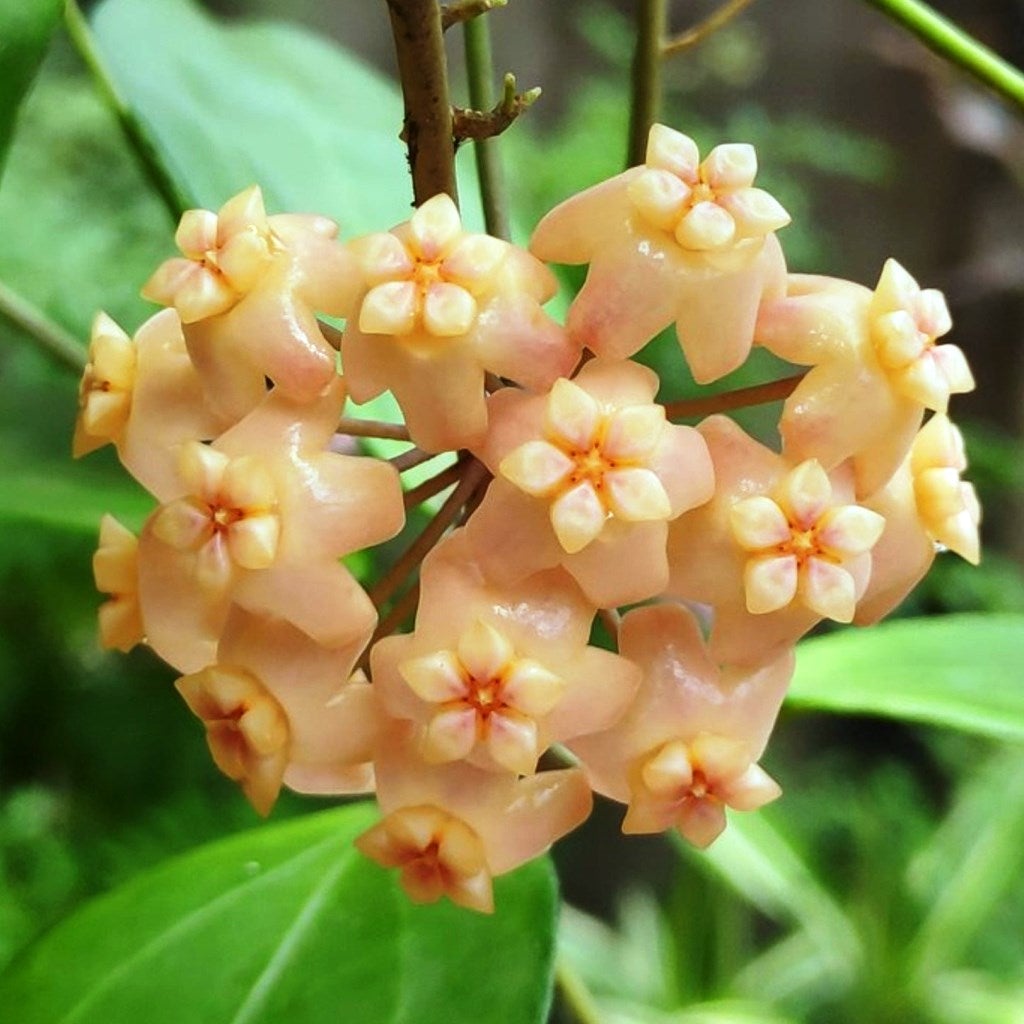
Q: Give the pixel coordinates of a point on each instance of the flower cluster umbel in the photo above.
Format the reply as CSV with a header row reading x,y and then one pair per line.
x,y
574,493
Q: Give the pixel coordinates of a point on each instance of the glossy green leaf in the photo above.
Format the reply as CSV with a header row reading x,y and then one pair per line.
x,y
961,671
290,923
25,30
230,105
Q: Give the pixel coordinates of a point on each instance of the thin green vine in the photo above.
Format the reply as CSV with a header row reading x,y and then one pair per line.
x,y
47,334
956,46
174,199
480,74
645,95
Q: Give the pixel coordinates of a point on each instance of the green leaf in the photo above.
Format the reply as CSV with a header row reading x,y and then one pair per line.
x,y
25,30
68,497
758,863
961,671
290,923
971,864
268,103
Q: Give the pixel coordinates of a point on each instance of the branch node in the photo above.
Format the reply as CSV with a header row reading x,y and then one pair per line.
x,y
458,11
485,124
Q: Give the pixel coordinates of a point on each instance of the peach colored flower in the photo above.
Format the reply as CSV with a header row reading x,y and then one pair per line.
x,y
280,709
115,567
926,507
497,674
688,746
441,307
450,828
588,477
261,518
675,240
248,288
143,395
876,368
778,548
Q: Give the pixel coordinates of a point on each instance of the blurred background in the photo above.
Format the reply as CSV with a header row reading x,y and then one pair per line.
x,y
878,149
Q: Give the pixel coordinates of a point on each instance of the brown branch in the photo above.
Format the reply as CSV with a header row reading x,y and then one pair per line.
x,y
474,475
412,458
434,485
742,398
372,428
485,124
423,72
712,23
466,10
396,616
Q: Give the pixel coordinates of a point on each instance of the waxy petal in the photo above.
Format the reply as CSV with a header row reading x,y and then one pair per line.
x,y
756,212
202,469
196,234
758,523
475,261
253,541
183,524
435,678
672,151
484,652
805,493
636,495
389,308
706,227
953,364
850,530
532,689
924,382
434,228
669,771
537,468
659,196
448,310
770,583
753,789
450,735
577,517
512,741
730,166
633,433
573,416
897,339
828,590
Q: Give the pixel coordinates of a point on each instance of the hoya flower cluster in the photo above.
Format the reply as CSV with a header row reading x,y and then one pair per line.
x,y
574,493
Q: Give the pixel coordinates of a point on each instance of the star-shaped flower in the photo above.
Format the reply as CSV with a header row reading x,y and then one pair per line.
x,y
248,288
497,674
587,477
450,828
780,546
442,307
688,746
876,368
676,240
281,709
143,395
115,567
927,507
261,518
